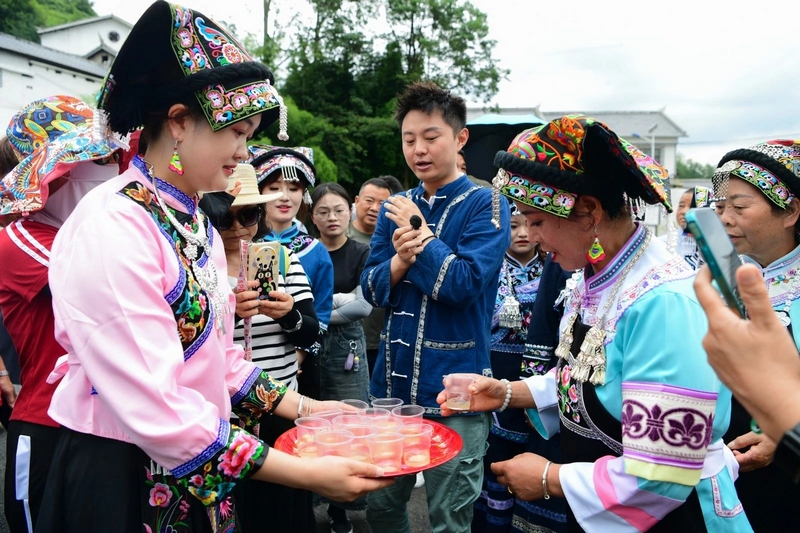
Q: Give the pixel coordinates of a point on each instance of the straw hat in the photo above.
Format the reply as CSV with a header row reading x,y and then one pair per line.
x,y
249,194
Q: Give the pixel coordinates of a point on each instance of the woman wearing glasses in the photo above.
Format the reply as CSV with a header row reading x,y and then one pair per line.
x,y
343,359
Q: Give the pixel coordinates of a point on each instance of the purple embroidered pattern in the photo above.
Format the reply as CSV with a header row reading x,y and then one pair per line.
x,y
667,425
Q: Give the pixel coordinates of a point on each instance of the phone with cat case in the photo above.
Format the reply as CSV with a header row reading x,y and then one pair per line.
x,y
264,266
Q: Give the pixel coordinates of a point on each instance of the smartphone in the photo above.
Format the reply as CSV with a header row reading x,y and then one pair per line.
x,y
718,252
263,266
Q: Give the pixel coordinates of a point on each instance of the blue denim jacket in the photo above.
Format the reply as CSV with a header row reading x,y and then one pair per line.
x,y
439,316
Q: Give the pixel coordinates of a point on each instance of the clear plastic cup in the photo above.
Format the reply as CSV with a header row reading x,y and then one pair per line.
x,y
387,403
377,412
416,445
359,450
306,429
344,421
458,397
409,414
354,405
386,451
328,415
386,425
333,442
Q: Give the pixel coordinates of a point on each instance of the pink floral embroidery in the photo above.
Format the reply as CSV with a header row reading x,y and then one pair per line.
x,y
225,508
160,495
236,457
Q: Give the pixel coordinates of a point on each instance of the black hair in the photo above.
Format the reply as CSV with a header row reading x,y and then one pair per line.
x,y
394,184
427,97
379,182
154,122
8,159
329,188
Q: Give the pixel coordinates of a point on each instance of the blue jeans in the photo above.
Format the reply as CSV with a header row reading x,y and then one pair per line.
x,y
452,488
336,383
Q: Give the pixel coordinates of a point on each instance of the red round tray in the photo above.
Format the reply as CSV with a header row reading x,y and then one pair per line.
x,y
445,444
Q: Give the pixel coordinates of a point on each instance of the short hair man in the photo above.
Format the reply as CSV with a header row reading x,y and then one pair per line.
x,y
368,204
438,284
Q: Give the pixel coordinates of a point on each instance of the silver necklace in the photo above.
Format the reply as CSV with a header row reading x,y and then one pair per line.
x,y
510,313
206,275
592,356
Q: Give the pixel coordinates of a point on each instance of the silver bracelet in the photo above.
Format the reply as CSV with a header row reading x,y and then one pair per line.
x,y
296,326
508,395
544,480
3,373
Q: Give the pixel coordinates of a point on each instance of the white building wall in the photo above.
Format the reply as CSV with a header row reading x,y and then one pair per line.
x,y
22,81
82,39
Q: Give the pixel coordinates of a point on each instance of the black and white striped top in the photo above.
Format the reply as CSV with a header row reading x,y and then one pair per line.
x,y
272,351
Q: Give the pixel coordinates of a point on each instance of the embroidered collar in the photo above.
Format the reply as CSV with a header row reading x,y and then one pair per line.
x,y
284,236
606,277
781,276
188,204
517,265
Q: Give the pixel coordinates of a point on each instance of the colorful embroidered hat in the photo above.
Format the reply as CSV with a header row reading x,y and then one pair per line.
x,y
773,167
296,164
50,136
549,166
173,53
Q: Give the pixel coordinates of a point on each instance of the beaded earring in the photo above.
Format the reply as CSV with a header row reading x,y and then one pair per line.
x,y
175,163
596,252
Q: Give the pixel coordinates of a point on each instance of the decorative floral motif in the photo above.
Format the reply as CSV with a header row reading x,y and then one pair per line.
x,y
667,425
160,495
762,179
536,194
189,303
568,399
261,397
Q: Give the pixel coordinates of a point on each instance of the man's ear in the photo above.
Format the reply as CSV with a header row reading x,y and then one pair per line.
x,y
462,137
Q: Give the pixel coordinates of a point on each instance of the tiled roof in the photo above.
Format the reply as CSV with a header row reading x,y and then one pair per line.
x,y
32,50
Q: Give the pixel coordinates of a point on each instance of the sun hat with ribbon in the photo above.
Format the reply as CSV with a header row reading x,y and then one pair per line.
x,y
50,136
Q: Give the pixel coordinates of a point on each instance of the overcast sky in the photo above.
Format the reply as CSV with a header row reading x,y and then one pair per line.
x,y
726,72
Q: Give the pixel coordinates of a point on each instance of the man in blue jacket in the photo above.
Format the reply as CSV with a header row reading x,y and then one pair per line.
x,y
438,284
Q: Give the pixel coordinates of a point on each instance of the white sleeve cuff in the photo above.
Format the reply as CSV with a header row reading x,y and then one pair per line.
x,y
545,417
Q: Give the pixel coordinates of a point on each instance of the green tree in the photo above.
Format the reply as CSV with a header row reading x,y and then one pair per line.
x,y
692,170
22,17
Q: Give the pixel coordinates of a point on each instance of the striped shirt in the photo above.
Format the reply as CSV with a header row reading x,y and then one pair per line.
x,y
272,351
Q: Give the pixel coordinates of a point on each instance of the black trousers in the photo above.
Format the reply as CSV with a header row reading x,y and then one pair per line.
x,y
38,456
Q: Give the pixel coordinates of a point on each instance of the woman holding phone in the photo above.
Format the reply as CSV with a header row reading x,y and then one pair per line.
x,y
151,376
756,192
639,411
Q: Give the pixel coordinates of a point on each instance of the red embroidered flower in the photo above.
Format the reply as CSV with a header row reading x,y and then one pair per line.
x,y
160,495
235,459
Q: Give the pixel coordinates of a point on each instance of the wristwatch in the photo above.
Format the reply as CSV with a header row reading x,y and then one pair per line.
x,y
787,456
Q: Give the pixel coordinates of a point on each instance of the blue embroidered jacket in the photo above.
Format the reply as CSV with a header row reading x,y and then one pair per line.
x,y
439,316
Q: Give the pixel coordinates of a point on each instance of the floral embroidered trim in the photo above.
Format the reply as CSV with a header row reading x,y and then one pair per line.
x,y
507,434
718,508
436,345
370,285
215,479
440,278
549,199
225,106
246,386
388,355
223,434
667,425
458,200
261,398
762,179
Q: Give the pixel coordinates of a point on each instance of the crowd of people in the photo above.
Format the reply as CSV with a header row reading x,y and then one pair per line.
x,y
613,389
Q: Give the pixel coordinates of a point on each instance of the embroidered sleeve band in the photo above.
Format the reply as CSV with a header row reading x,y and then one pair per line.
x,y
666,431
212,476
260,395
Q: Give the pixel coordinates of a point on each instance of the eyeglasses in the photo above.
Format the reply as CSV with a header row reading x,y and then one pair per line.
x,y
325,213
248,216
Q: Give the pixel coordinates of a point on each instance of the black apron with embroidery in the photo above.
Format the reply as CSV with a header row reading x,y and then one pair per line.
x,y
589,432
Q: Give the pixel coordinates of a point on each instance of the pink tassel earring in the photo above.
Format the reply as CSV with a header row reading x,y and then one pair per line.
x,y
175,163
596,252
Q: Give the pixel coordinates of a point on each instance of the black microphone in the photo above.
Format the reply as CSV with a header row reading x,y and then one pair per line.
x,y
415,221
